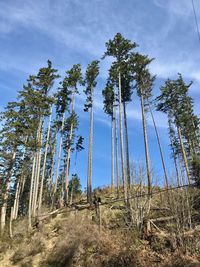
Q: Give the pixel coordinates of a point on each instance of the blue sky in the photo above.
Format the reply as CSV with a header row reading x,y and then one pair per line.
x,y
75,31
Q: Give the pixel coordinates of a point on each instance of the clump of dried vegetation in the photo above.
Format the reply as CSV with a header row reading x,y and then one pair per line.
x,y
81,244
29,249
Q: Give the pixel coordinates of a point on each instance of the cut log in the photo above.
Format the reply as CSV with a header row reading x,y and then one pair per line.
x,y
163,219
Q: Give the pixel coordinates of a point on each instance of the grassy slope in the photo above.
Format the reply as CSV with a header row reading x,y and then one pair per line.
x,y
73,239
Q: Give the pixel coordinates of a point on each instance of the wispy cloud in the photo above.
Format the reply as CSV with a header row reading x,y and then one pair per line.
x,y
134,113
168,37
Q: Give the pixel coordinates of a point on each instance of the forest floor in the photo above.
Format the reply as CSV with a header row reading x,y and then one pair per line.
x,y
79,238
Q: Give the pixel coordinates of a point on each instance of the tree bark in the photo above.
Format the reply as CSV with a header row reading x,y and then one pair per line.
x,y
149,177
52,169
116,151
69,153
44,163
89,178
20,186
37,168
58,162
16,200
37,178
11,219
113,152
72,189
122,141
5,197
174,154
160,147
127,146
34,181
184,154
31,193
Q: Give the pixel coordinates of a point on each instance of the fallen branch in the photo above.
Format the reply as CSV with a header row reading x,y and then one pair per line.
x,y
163,219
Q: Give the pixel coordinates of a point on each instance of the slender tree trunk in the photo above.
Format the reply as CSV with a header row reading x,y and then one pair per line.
x,y
89,178
52,170
16,200
75,161
69,153
44,163
116,151
58,161
37,177
34,181
184,154
113,152
6,194
187,206
160,147
149,177
19,189
122,142
37,168
174,153
176,167
71,199
22,184
127,147
11,219
31,193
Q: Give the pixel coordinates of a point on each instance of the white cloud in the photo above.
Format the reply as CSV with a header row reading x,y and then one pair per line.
x,y
70,23
160,118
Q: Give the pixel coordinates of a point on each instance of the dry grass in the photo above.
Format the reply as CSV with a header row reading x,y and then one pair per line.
x,y
180,260
81,244
73,240
35,247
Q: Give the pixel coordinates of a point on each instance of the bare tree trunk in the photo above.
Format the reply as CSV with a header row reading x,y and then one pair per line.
x,y
6,194
19,189
149,177
37,178
16,200
184,155
71,199
22,185
44,163
187,206
34,181
127,147
176,168
37,168
76,155
122,142
58,162
113,152
31,193
174,154
116,148
52,170
160,147
89,178
69,152
11,219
